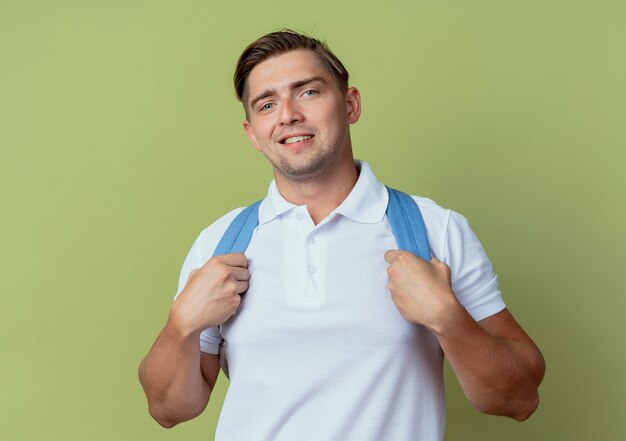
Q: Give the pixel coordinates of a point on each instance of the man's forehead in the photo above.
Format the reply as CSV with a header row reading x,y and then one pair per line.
x,y
280,71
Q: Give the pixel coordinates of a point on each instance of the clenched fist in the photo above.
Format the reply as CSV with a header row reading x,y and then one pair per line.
x,y
212,293
421,290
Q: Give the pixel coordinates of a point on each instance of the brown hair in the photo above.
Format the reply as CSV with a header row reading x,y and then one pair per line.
x,y
278,43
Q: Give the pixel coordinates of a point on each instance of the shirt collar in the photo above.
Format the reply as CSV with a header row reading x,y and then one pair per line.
x,y
366,203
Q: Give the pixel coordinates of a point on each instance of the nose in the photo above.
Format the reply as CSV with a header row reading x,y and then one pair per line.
x,y
289,112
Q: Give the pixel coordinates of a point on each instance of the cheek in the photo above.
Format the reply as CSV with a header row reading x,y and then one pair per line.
x,y
263,133
333,121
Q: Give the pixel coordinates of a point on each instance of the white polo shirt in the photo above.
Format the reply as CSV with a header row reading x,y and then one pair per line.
x,y
317,350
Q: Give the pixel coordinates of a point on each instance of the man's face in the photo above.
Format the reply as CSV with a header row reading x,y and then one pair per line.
x,y
298,116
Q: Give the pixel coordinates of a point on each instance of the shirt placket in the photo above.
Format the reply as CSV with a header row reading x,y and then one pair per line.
x,y
310,293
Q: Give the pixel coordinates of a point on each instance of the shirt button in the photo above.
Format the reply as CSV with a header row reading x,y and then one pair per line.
x,y
313,270
312,241
299,216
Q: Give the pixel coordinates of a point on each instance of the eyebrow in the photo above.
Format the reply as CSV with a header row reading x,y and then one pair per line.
x,y
295,85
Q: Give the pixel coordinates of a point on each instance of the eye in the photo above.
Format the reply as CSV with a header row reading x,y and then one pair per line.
x,y
310,92
265,107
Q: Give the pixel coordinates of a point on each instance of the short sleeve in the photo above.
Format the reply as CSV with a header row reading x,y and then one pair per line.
x,y
200,252
473,280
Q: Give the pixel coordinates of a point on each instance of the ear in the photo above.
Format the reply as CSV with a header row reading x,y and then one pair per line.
x,y
353,104
247,126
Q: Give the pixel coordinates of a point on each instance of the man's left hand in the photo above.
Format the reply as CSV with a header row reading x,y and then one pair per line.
x,y
421,290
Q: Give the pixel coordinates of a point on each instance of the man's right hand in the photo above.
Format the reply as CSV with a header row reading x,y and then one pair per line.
x,y
212,293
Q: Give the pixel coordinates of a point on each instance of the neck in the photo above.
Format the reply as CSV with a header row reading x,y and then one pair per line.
x,y
324,194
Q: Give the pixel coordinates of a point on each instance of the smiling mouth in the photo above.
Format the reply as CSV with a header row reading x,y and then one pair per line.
x,y
296,139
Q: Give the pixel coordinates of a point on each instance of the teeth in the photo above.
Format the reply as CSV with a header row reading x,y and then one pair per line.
x,y
297,139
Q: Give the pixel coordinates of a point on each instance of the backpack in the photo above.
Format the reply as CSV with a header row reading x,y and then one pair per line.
x,y
405,218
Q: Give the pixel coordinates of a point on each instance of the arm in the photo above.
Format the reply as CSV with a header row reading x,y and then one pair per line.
x,y
176,376
497,364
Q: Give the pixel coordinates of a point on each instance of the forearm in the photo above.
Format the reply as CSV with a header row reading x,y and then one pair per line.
x,y
172,379
498,365
498,375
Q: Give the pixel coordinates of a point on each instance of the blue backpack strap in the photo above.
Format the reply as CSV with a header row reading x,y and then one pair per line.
x,y
236,239
407,224
238,234
403,213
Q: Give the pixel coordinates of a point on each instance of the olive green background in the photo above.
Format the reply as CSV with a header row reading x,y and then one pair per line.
x,y
121,140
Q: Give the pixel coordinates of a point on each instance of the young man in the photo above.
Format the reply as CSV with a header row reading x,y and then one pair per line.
x,y
339,336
